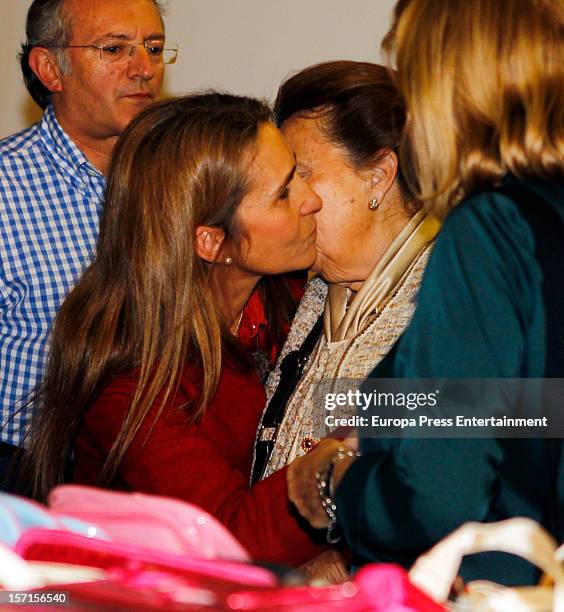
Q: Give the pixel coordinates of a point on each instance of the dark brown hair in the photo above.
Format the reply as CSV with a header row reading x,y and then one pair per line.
x,y
361,109
147,302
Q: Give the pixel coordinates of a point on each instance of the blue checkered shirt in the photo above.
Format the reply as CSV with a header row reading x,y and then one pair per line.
x,y
50,202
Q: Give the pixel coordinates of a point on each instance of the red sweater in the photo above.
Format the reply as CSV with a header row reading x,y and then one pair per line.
x,y
207,463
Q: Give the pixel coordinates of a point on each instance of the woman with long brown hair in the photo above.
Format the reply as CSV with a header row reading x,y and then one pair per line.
x,y
151,382
483,83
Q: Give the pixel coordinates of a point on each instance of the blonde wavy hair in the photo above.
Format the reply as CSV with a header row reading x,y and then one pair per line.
x,y
483,83
147,304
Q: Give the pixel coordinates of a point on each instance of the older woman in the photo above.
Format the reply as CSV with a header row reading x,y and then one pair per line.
x,y
343,121
158,337
482,83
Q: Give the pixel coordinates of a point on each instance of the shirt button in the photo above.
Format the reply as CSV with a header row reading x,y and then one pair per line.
x,y
308,443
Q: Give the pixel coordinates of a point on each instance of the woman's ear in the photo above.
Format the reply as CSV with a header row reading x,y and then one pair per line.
x,y
383,172
46,68
209,241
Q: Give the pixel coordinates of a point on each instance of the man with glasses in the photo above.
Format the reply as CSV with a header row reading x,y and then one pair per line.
x,y
92,65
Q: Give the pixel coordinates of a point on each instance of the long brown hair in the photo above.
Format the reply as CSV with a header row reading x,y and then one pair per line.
x,y
146,303
483,83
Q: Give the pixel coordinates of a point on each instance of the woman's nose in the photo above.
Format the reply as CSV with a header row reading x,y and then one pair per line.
x,y
311,202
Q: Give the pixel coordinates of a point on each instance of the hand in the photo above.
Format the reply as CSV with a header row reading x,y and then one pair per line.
x,y
352,441
302,486
330,567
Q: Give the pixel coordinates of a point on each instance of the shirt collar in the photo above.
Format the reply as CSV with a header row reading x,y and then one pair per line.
x,y
253,319
63,149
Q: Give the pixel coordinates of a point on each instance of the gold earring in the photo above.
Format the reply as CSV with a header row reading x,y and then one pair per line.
x,y
228,261
373,204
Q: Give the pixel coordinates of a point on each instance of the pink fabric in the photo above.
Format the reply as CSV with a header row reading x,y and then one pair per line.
x,y
137,574
151,521
157,580
377,587
65,547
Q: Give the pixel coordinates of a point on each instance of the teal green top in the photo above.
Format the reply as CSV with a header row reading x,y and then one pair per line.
x,y
480,313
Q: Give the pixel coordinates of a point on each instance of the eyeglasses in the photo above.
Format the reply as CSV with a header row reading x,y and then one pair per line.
x,y
119,52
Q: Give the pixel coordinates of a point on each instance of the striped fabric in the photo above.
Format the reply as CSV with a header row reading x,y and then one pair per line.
x,y
50,202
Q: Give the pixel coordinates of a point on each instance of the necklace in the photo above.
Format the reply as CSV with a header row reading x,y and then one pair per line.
x,y
239,320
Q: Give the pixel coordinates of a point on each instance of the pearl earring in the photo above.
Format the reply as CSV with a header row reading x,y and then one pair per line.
x,y
373,204
228,261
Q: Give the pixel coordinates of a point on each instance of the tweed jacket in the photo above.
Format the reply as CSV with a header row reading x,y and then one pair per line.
x,y
333,365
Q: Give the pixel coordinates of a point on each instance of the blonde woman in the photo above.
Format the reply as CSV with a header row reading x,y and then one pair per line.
x,y
151,381
484,87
